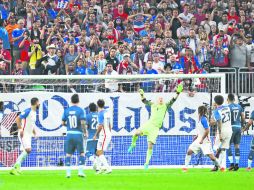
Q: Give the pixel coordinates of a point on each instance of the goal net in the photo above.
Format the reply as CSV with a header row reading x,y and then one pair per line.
x,y
128,113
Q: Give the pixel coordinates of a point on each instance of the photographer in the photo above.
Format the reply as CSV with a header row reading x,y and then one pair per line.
x,y
35,53
237,118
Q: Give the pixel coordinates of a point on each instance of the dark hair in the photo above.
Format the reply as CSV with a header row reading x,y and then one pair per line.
x,y
75,99
231,97
92,107
202,110
101,103
34,101
219,100
1,106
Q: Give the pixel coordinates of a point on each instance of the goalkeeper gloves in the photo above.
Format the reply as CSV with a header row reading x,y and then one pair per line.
x,y
179,88
141,92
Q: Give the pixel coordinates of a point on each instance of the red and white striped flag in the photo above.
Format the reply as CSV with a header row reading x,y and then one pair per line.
x,y
8,120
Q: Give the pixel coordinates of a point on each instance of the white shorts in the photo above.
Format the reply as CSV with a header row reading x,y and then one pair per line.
x,y
103,142
225,143
25,142
206,147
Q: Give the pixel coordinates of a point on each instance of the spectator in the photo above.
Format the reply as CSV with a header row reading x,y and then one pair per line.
x,y
18,36
220,54
184,30
35,53
199,15
186,15
157,64
250,48
239,56
110,85
4,35
192,41
190,62
11,26
101,62
19,69
69,57
5,56
111,58
148,86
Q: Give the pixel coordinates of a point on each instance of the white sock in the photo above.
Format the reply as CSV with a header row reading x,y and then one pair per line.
x,y
187,160
230,158
97,161
216,162
104,160
21,157
237,158
249,163
222,159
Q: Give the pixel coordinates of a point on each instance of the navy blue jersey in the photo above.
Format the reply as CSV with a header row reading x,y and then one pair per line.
x,y
252,115
92,124
236,111
73,116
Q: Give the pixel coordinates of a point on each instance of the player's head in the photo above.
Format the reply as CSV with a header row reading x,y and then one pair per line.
x,y
35,103
75,99
1,105
219,100
92,107
231,97
160,100
202,110
100,103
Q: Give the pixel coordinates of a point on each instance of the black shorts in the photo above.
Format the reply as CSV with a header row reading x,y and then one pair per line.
x,y
236,135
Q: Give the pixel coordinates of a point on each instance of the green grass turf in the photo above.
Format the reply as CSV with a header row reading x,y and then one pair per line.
x,y
153,179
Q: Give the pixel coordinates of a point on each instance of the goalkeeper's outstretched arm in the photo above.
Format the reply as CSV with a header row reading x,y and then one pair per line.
x,y
144,100
178,91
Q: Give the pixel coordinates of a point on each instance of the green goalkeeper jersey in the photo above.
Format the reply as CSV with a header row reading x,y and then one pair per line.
x,y
158,112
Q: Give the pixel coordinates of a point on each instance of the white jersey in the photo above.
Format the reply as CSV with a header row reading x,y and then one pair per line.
x,y
223,113
28,119
201,128
104,119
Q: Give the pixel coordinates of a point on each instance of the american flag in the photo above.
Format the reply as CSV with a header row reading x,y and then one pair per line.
x,y
8,120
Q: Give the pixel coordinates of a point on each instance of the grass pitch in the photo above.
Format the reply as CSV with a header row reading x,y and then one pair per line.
x,y
153,179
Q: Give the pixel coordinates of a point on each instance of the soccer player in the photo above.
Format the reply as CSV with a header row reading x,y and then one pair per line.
x,y
92,125
222,117
237,117
26,125
152,126
251,154
74,119
104,132
202,141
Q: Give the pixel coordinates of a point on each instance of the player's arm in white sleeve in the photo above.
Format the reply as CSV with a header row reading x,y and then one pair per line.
x,y
19,118
249,122
218,121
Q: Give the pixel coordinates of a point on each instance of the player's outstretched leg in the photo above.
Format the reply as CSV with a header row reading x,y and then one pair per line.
x,y
215,160
81,165
148,155
187,160
68,165
16,168
230,157
134,140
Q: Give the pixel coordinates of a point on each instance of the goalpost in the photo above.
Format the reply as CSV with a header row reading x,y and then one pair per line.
x,y
128,112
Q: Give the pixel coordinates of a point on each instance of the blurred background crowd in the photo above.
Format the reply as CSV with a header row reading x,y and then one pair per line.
x,y
90,37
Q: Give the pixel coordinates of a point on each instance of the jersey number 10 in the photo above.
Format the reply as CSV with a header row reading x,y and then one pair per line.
x,y
72,121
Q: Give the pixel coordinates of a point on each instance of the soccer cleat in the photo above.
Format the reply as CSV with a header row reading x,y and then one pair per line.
x,y
14,172
184,170
130,149
81,174
107,171
232,167
248,169
223,170
68,173
101,171
17,168
215,169
146,166
236,167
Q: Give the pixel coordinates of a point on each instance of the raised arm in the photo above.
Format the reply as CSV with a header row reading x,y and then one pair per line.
x,y
178,91
144,100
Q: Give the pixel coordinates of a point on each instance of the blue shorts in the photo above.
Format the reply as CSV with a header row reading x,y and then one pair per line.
x,y
91,147
74,142
236,135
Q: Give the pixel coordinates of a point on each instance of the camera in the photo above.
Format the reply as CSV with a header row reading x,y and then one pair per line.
x,y
244,102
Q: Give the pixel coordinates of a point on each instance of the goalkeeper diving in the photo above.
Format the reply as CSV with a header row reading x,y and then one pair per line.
x,y
152,126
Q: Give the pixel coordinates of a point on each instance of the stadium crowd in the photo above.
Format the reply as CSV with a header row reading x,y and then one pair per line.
x,y
90,37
